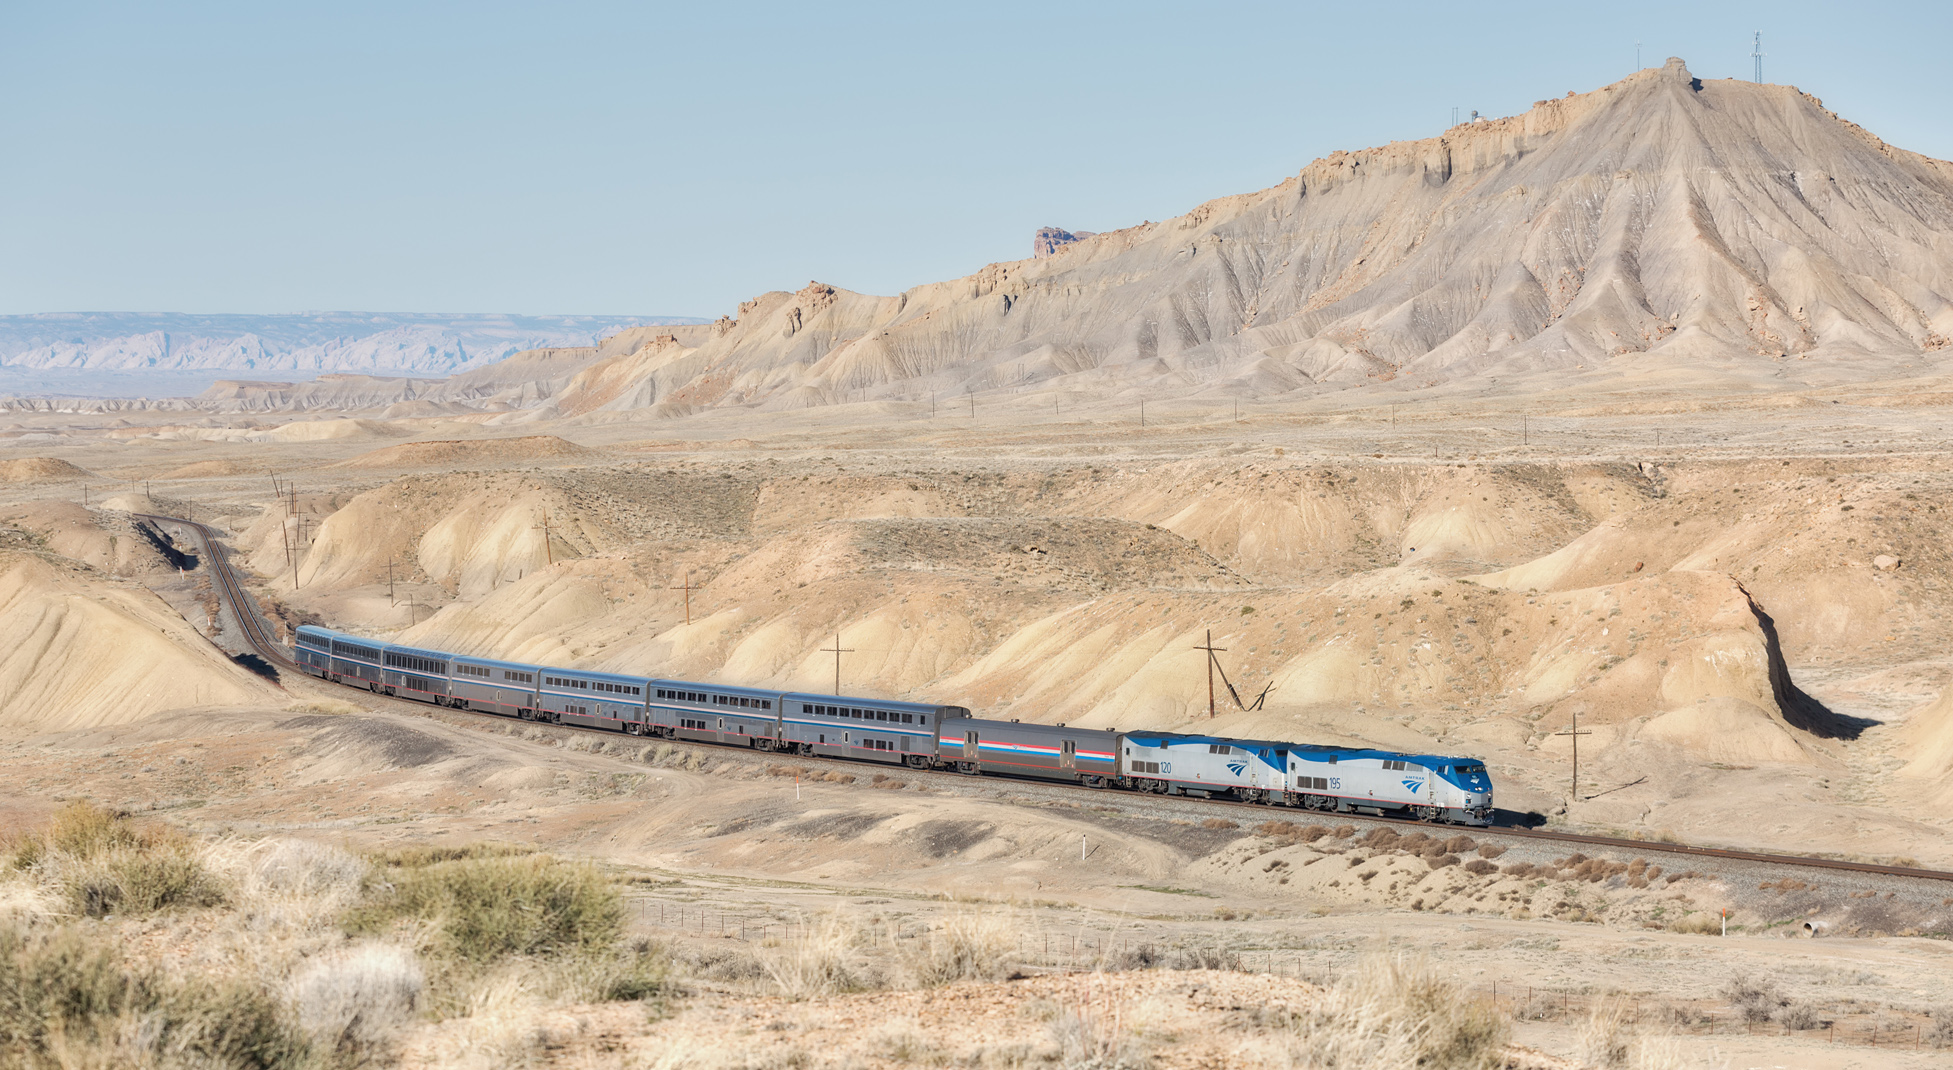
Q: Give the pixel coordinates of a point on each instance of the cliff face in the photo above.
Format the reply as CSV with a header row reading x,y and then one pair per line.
x,y
1715,229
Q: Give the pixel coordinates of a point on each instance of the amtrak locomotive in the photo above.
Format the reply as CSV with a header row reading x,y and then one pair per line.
x,y
919,735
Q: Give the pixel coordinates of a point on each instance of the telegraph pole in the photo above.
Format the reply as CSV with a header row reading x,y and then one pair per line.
x,y
837,650
390,598
688,589
1211,650
1576,733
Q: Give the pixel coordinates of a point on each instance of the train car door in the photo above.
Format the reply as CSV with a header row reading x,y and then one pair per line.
x,y
970,744
1068,754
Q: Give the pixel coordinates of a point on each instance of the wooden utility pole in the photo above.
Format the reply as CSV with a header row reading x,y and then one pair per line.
x,y
1211,650
837,650
1142,412
390,599
688,589
1576,733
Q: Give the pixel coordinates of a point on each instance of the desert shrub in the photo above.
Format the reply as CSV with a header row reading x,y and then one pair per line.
x,y
817,961
724,964
1755,1001
965,947
1799,1016
102,863
1219,823
1940,1033
1440,861
67,998
1205,958
135,881
1460,845
1143,957
1398,1012
638,970
1343,832
488,908
1490,850
354,1002
1478,867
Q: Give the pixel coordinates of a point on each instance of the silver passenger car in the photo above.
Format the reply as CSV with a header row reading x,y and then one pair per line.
x,y
875,730
713,713
504,687
594,699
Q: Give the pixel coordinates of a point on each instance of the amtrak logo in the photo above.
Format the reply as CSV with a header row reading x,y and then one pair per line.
x,y
1237,767
1413,786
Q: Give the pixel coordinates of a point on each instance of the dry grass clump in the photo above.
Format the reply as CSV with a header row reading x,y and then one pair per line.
x,y
1699,923
817,961
1396,1011
101,863
355,1001
970,946
1095,1036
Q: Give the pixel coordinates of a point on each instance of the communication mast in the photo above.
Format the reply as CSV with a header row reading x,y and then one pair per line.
x,y
1756,53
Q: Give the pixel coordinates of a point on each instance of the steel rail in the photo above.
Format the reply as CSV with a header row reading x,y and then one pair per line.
x,y
245,609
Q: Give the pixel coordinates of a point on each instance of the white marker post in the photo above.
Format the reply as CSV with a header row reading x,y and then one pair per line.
x,y
1081,847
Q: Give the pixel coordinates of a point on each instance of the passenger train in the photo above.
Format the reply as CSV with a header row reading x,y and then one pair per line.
x,y
919,735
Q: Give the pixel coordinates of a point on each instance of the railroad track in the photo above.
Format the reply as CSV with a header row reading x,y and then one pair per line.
x,y
261,637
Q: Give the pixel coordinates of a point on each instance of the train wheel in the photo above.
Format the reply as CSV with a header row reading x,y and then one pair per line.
x,y
1429,813
1253,795
916,761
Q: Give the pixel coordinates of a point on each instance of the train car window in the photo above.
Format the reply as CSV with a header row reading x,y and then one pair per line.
x,y
925,718
766,704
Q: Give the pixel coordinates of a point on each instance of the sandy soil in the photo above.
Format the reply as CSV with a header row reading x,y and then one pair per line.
x,y
1745,620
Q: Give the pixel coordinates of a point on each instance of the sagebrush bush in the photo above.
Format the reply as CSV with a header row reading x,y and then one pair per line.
x,y
486,908
67,998
102,863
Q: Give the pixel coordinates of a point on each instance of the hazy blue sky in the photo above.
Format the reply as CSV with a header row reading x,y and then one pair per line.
x,y
652,158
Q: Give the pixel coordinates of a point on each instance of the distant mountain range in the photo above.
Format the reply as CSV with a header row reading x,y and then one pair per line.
x,y
79,347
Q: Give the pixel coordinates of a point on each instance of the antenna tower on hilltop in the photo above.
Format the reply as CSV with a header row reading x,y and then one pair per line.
x,y
1756,53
